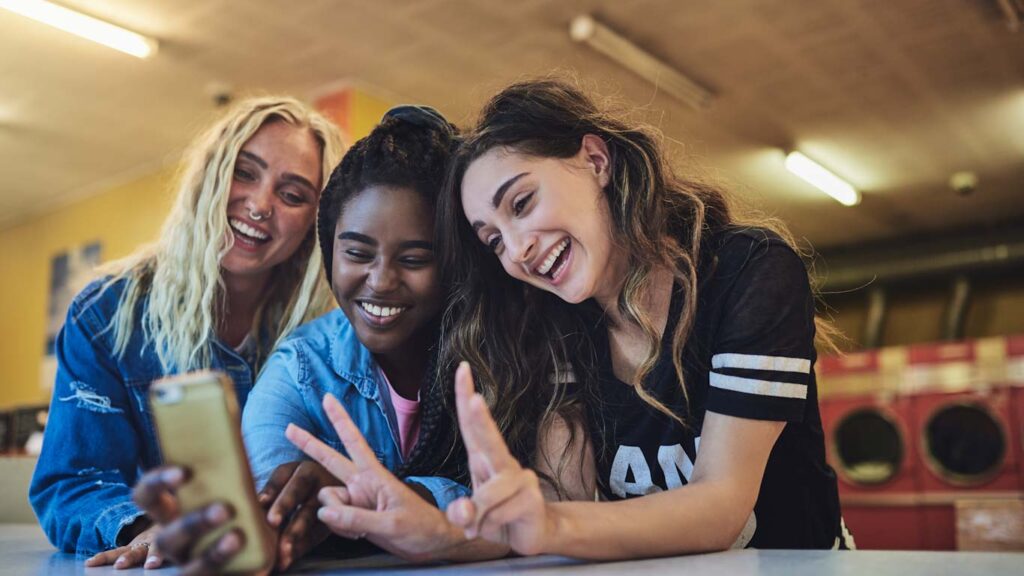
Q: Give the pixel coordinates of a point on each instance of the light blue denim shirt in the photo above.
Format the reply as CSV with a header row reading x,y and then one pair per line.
x,y
324,356
100,436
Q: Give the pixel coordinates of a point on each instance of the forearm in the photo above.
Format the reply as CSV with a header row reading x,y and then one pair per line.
x,y
695,518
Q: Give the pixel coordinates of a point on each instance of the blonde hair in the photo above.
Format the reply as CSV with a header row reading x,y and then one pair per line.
x,y
181,274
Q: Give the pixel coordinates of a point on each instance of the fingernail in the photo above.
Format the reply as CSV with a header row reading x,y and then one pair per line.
x,y
228,544
217,513
172,475
152,561
325,514
120,562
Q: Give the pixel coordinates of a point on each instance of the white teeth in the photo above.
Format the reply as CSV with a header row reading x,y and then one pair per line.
x,y
552,256
246,230
381,311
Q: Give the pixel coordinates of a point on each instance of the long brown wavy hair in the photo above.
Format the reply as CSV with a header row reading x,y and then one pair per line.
x,y
522,341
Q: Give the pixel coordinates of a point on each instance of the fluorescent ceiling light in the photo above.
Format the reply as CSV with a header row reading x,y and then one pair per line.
x,y
817,176
635,59
85,26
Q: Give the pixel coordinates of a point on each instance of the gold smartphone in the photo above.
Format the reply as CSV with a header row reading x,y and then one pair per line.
x,y
197,422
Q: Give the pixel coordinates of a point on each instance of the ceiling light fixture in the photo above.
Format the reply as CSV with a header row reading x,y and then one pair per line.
x,y
635,59
816,175
85,26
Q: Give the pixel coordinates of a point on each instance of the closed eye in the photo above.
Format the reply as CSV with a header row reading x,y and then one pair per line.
x,y
244,175
358,255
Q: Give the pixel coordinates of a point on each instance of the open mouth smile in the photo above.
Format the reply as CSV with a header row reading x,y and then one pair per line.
x,y
380,316
556,262
246,235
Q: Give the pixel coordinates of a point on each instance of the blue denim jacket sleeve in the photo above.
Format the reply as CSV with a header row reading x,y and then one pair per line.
x,y
274,402
444,490
81,486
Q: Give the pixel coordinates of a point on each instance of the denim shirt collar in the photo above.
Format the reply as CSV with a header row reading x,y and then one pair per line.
x,y
353,361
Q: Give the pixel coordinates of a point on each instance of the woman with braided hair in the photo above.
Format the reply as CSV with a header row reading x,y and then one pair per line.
x,y
375,353
634,339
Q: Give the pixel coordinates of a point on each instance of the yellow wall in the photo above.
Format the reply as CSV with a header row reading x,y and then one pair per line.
x,y
119,219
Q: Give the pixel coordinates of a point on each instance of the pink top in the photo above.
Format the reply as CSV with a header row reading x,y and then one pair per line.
x,y
407,413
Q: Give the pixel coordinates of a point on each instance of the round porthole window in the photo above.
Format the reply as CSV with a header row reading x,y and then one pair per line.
x,y
869,447
964,443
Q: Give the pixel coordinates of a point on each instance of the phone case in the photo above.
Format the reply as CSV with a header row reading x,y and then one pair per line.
x,y
197,422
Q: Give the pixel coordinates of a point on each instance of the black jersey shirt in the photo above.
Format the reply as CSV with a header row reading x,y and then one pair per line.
x,y
750,355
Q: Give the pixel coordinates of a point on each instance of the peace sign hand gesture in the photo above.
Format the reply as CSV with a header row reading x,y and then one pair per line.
x,y
373,503
507,505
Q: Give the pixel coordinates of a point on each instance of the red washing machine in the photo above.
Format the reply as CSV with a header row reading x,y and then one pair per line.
x,y
868,424
965,430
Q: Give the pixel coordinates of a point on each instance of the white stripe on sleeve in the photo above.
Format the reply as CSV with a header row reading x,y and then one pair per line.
x,y
759,387
755,362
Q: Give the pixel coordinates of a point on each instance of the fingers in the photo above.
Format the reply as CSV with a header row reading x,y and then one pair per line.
x,y
278,479
462,513
134,556
341,467
301,535
498,490
350,521
337,497
178,538
486,435
512,498
216,556
106,557
488,453
154,492
463,392
155,558
301,486
355,444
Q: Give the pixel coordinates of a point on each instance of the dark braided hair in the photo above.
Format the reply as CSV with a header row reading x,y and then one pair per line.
x,y
410,148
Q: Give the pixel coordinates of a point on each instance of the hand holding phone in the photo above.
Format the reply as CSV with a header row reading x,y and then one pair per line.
x,y
177,535
205,495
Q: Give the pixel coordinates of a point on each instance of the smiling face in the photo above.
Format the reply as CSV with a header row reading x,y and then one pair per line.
x,y
547,219
273,198
384,273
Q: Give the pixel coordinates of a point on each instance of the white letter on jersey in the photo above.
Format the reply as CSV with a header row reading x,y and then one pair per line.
x,y
674,460
631,458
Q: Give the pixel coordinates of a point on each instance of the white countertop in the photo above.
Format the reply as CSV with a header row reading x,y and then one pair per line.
x,y
25,551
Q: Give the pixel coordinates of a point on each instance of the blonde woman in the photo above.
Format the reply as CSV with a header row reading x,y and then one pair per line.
x,y
234,270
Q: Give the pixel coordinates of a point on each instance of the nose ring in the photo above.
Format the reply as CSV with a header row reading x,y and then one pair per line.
x,y
258,217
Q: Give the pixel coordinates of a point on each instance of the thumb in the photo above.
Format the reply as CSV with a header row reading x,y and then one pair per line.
x,y
353,520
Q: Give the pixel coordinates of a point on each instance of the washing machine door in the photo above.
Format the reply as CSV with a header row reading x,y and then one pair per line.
x,y
869,447
964,443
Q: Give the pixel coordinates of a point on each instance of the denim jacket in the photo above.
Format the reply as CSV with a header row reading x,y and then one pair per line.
x,y
100,436
324,356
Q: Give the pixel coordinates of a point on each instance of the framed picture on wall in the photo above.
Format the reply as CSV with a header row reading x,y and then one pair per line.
x,y
70,271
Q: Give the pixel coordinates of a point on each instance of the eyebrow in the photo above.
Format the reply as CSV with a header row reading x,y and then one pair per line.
x,y
287,176
250,156
357,237
499,194
408,244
